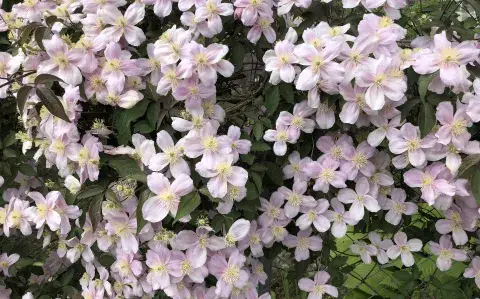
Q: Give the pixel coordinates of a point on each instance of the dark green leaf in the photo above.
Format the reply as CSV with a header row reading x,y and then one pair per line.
x,y
248,158
143,198
52,103
258,130
9,140
106,259
467,165
92,190
151,91
24,262
143,127
126,117
258,168
22,97
402,275
27,31
67,277
272,98
39,35
259,146
153,112
238,53
95,211
274,173
286,91
188,204
257,179
252,191
9,153
408,106
27,170
46,78
423,83
427,119
112,197
127,167
475,185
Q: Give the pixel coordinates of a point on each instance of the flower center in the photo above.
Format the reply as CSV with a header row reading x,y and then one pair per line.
x,y
230,240
231,274
294,199
445,254
359,160
42,210
379,79
303,243
413,144
210,143
336,152
312,215
399,208
319,290
273,213
255,239
426,181
61,60
282,136
186,267
404,249
113,65
338,218
450,55
385,22
327,175
224,170
298,121
459,127
277,231
360,198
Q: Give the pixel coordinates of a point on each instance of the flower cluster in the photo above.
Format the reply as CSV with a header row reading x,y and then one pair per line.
x,y
192,203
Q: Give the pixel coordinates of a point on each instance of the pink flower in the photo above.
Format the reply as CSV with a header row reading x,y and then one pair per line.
x,y
167,47
473,271
319,65
404,248
206,61
447,58
454,127
190,265
407,139
339,217
302,243
229,274
127,266
375,76
262,25
453,223
355,105
167,197
296,168
284,6
208,145
251,10
17,216
252,241
359,199
314,215
397,206
446,253
171,155
6,261
44,212
193,92
237,232
280,136
117,65
239,146
334,148
78,250
318,287
198,241
364,250
8,66
272,209
125,228
87,156
211,10
63,63
279,62
296,199
222,173
431,186
324,172
159,261
122,25
299,121
384,129
357,161
381,245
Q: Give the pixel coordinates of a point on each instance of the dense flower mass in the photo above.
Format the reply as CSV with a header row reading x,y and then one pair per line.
x,y
184,149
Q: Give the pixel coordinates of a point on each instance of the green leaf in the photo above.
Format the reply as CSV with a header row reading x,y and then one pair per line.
x,y
22,97
127,167
9,140
52,103
106,259
46,78
39,35
248,158
112,197
252,191
427,119
423,83
274,173
151,91
259,146
188,204
467,165
126,117
67,277
143,198
9,153
258,130
95,211
286,91
258,168
24,262
27,30
238,54
475,185
257,179
143,127
27,170
153,112
272,98
402,275
408,106
91,191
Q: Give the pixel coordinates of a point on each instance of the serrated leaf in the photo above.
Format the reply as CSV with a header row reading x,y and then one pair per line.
x,y
46,78
475,185
127,167
274,173
188,204
27,170
427,119
143,198
95,211
286,91
423,83
52,103
258,130
259,147
22,97
272,98
91,191
467,164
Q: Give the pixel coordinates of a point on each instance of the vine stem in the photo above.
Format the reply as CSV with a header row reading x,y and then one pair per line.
x,y
16,78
